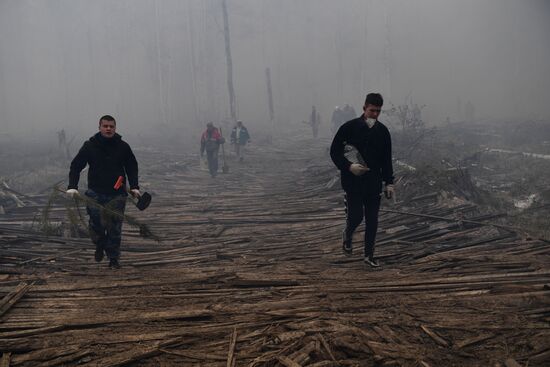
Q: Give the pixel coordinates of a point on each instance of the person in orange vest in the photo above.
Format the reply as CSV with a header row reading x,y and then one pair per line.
x,y
211,139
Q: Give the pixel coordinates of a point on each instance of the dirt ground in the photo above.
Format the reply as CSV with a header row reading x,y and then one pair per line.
x,y
248,271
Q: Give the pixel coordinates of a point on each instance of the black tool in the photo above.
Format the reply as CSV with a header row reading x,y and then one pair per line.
x,y
143,201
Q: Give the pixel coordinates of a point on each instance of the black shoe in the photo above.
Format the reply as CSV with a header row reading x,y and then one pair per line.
x,y
370,260
114,264
347,246
98,256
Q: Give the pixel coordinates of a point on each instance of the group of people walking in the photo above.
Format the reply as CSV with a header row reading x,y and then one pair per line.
x,y
212,139
113,175
340,115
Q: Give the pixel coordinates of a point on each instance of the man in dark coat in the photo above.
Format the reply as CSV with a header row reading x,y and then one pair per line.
x,y
362,179
110,160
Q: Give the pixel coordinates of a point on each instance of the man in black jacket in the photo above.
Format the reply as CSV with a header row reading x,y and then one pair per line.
x,y
110,160
362,179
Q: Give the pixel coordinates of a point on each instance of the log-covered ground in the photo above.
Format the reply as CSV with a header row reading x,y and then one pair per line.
x,y
249,272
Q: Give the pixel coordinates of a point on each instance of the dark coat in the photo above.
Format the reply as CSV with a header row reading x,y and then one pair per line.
x,y
243,137
374,144
108,159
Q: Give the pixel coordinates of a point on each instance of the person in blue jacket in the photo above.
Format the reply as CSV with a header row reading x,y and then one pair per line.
x,y
240,137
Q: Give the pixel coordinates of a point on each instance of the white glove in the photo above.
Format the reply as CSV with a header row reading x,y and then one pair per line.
x,y
135,193
358,169
389,191
72,193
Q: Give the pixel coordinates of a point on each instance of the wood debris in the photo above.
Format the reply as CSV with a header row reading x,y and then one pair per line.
x,y
258,250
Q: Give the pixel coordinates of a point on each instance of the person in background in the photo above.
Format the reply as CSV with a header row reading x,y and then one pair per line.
x,y
348,113
336,119
211,139
314,121
239,138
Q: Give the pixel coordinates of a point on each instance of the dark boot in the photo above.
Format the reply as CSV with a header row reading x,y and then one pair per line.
x,y
347,246
371,261
98,256
114,264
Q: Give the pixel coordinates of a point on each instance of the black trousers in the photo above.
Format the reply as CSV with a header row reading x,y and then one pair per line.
x,y
212,158
359,205
105,227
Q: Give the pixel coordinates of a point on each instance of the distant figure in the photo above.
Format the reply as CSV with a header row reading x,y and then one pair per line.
x,y
362,183
416,116
348,113
61,139
341,115
62,143
314,121
110,160
336,119
239,138
211,140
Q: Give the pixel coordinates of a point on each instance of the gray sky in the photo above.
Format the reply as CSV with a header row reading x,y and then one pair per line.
x,y
63,63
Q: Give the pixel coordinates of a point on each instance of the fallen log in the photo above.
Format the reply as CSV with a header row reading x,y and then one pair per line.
x,y
432,334
287,362
231,359
509,228
9,300
5,361
135,354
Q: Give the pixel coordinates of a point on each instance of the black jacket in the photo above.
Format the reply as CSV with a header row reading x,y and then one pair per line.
x,y
108,159
374,144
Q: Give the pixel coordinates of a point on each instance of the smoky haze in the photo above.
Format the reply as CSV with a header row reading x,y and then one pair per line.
x,y
63,63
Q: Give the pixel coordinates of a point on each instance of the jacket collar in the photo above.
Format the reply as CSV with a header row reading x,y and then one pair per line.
x,y
98,138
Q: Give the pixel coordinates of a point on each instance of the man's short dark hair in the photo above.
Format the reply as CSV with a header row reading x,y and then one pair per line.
x,y
374,99
107,118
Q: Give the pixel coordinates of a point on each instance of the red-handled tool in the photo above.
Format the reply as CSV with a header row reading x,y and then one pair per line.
x,y
119,182
143,200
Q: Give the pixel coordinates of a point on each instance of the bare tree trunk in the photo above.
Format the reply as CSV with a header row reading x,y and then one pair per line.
x,y
159,66
339,56
270,101
387,55
194,69
232,103
269,94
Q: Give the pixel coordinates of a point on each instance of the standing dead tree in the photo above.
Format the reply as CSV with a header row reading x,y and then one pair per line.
x,y
232,103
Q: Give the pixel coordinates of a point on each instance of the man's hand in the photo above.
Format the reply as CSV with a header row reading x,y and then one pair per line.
x,y
72,193
135,193
389,191
358,169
